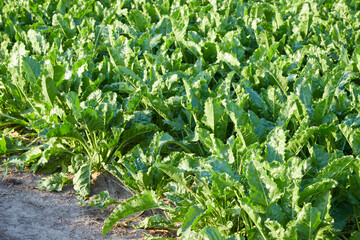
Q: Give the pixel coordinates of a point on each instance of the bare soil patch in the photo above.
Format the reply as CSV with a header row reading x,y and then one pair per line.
x,y
29,213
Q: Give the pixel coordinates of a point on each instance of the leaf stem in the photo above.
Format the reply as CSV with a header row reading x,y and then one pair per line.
x,y
277,81
357,220
34,141
179,144
133,218
201,149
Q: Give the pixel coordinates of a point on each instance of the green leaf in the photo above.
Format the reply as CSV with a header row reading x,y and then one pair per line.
x,y
155,222
230,60
276,74
165,26
54,182
262,127
263,189
159,141
320,110
120,87
81,181
355,182
135,132
134,100
141,202
355,235
139,20
352,136
275,101
242,123
101,201
65,130
341,214
8,146
191,218
316,188
38,42
132,78
3,147
93,119
173,172
293,108
257,103
300,138
215,118
212,114
323,204
305,17
18,52
27,158
212,233
31,68
65,23
49,90
335,168
275,212
307,222
246,205
263,182
290,232
258,189
276,230
276,145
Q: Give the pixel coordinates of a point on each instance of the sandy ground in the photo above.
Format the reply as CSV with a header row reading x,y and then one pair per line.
x,y
29,213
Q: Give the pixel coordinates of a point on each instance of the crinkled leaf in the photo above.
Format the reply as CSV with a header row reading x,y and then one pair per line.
x,y
139,20
191,218
336,167
81,181
307,222
31,68
276,230
352,136
62,130
276,145
242,123
54,182
141,202
136,131
258,191
300,138
49,90
102,200
173,172
155,222
293,108
214,117
38,42
316,188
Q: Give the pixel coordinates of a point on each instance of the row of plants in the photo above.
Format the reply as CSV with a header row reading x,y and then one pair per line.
x,y
239,119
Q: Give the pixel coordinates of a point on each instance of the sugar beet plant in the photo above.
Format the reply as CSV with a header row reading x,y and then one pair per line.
x,y
239,119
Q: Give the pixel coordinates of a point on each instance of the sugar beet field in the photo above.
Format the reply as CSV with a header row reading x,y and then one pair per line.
x,y
227,119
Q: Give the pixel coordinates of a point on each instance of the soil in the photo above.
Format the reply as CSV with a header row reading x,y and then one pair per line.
x,y
29,213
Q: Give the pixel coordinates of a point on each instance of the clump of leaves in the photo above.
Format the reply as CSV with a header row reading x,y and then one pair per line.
x,y
238,119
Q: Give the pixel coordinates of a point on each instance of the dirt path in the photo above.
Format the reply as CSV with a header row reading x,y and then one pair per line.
x,y
29,213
